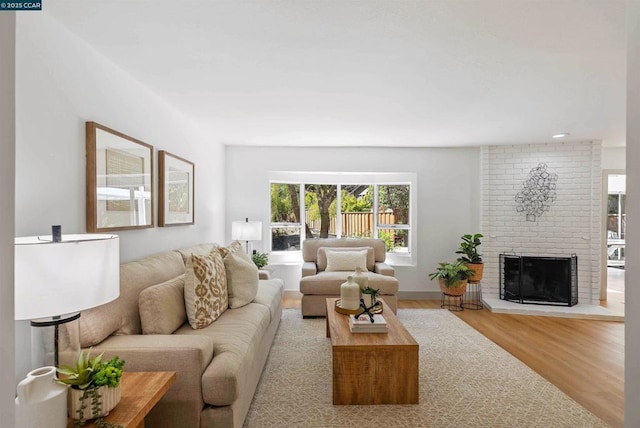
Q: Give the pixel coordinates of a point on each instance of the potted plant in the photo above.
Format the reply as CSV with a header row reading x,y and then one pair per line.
x,y
94,383
470,256
370,296
260,259
452,277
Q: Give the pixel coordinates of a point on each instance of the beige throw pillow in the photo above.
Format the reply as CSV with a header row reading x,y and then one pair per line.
x,y
242,279
346,260
205,289
321,257
162,309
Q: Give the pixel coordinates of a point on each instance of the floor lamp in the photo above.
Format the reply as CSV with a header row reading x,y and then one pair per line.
x,y
246,231
56,277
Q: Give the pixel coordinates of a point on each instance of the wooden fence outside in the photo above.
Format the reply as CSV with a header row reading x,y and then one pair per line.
x,y
354,224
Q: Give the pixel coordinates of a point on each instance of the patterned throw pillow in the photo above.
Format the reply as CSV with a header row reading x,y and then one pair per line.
x,y
205,289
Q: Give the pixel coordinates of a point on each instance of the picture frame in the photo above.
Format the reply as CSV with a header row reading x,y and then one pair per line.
x,y
119,180
176,181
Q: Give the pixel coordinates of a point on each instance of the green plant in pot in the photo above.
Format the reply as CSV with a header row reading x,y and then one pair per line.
x,y
471,256
370,296
452,277
260,259
95,383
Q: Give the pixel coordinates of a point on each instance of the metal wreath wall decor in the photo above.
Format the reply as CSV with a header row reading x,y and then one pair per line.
x,y
538,192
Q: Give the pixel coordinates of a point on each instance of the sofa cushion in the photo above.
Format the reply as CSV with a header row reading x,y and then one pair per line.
x,y
205,288
242,279
162,309
236,338
270,295
346,260
122,316
321,260
328,283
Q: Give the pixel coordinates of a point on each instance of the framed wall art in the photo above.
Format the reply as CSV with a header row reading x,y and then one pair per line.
x,y
119,181
176,190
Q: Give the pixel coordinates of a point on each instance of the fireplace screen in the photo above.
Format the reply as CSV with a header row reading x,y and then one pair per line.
x,y
539,280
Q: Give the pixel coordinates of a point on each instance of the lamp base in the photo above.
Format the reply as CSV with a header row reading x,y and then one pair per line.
x,y
50,335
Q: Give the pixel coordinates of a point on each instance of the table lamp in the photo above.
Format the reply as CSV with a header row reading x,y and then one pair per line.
x,y
246,231
58,276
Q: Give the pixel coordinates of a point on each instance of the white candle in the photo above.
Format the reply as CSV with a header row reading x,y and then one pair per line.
x,y
350,294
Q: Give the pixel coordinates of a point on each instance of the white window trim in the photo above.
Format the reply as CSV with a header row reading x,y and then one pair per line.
x,y
339,178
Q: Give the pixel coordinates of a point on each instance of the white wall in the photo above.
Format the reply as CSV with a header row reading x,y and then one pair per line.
x,y
571,225
448,195
632,254
7,170
614,158
61,82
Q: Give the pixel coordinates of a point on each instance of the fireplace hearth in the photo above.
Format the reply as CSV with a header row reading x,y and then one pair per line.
x,y
539,280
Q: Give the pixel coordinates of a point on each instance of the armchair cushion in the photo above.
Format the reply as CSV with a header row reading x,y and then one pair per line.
x,y
328,283
321,258
346,260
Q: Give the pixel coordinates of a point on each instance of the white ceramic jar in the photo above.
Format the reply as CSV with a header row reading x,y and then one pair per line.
x,y
350,294
360,278
41,400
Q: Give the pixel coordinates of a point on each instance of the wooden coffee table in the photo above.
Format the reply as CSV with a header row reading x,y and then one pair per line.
x,y
140,392
372,368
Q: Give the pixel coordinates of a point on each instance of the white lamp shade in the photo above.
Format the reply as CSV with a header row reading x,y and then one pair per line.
x,y
59,278
246,230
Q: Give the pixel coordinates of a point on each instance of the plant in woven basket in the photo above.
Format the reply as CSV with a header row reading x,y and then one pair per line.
x,y
451,273
469,248
471,256
92,378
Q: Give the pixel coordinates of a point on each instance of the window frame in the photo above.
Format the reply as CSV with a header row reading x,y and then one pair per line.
x,y
348,178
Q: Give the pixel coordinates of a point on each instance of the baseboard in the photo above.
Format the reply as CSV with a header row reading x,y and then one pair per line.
x,y
419,295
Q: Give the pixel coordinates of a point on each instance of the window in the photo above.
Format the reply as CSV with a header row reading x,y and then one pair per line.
x,y
393,216
337,205
285,217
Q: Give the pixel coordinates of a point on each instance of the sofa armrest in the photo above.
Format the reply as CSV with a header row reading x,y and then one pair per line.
x,y
309,268
187,355
384,269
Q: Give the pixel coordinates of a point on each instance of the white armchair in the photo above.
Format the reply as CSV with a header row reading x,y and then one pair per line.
x,y
318,283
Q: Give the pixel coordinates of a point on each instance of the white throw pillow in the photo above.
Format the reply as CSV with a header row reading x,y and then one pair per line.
x,y
321,256
346,260
242,279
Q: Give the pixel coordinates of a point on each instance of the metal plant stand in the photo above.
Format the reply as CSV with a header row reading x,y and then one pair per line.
x,y
451,302
473,297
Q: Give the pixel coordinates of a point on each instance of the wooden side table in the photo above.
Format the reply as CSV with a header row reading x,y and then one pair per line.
x,y
140,392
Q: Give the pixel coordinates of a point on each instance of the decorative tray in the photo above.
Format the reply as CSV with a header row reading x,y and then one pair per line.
x,y
376,309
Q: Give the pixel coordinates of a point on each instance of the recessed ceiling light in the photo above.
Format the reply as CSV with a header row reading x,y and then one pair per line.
x,y
561,135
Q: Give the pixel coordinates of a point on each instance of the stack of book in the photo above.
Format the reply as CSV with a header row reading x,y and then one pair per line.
x,y
363,324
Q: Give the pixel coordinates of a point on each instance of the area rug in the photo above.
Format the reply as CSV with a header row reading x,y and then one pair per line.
x,y
465,381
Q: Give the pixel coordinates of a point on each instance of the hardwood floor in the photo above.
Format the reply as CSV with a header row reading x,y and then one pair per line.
x,y
583,358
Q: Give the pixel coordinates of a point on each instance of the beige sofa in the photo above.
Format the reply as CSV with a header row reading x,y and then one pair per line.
x,y
218,367
317,284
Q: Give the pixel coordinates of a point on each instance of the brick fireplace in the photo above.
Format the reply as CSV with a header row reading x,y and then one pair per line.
x,y
570,225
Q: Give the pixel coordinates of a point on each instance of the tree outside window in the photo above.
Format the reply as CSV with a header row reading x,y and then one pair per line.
x,y
357,214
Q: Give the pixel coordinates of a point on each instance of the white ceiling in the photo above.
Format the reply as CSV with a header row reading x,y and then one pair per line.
x,y
373,73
